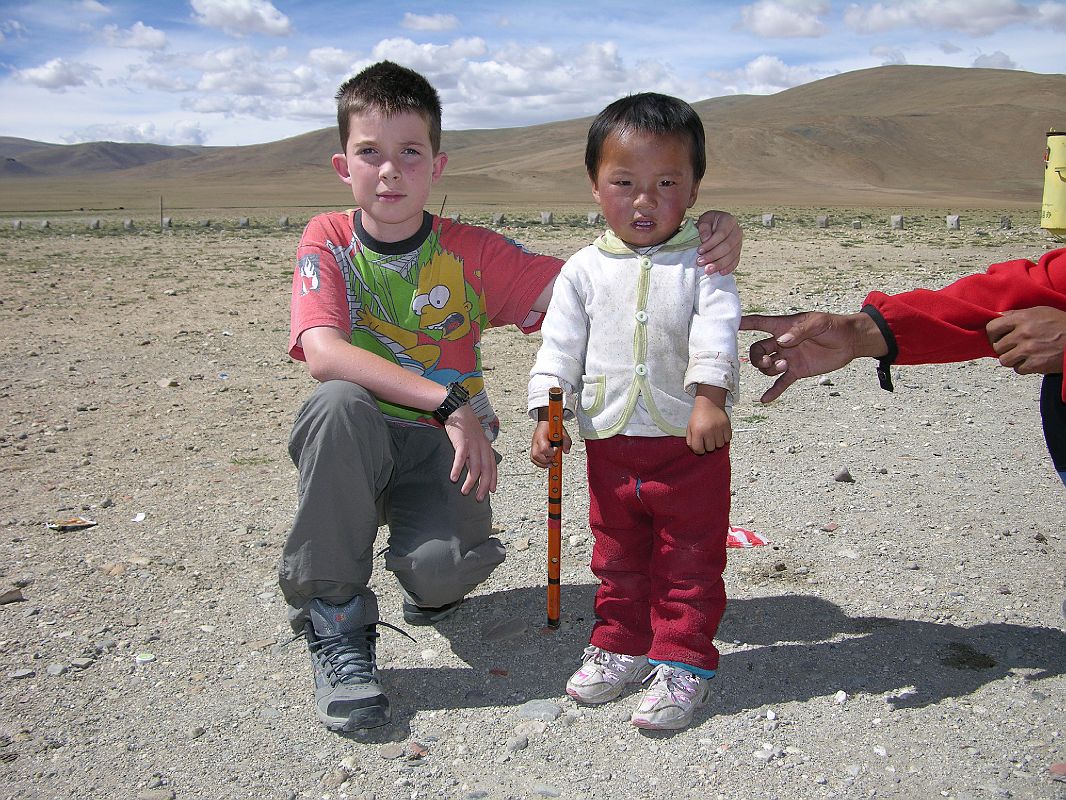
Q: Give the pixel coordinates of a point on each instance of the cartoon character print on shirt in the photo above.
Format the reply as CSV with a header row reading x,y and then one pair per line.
x,y
425,311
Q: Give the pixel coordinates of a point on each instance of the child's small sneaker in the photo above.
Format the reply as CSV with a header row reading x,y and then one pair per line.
x,y
604,675
670,701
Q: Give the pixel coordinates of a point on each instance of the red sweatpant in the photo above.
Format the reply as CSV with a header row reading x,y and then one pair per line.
x,y
659,514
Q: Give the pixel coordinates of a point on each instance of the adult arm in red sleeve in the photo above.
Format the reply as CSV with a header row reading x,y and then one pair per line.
x,y
934,327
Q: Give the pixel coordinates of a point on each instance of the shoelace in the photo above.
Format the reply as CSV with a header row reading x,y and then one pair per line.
x,y
612,663
349,656
667,680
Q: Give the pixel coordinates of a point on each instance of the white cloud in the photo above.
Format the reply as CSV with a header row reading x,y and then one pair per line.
x,y
1052,15
765,75
949,48
434,22
94,7
180,133
975,17
241,17
785,18
331,60
11,27
888,55
59,75
138,36
996,60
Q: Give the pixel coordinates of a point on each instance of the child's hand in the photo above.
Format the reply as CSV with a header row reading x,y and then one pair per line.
x,y
541,451
708,427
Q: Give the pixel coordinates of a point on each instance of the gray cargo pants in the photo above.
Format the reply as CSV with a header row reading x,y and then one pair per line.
x,y
356,473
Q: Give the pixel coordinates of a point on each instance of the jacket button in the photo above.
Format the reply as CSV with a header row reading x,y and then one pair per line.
x,y
642,317
645,262
641,369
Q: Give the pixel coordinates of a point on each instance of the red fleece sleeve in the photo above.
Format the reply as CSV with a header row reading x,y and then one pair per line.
x,y
933,327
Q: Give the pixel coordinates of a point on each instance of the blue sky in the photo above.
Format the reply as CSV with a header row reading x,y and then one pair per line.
x,y
230,72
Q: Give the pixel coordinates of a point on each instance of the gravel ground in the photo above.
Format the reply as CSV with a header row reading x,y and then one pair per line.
x,y
902,636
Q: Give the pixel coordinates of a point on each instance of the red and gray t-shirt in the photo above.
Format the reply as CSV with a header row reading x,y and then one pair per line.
x,y
421,303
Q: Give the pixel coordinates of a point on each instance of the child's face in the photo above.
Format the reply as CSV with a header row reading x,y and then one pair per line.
x,y
644,185
390,165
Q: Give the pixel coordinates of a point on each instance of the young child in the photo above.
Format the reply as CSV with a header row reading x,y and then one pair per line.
x,y
388,306
647,342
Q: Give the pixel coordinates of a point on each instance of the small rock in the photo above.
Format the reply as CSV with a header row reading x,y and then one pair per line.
x,y
82,662
429,655
504,629
390,751
840,697
20,674
516,743
166,383
55,670
844,476
544,710
197,732
829,527
531,727
522,543
826,381
543,790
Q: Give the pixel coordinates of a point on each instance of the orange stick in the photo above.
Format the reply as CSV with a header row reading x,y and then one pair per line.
x,y
555,502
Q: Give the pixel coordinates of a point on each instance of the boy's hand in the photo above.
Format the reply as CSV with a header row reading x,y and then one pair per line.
x,y
708,426
473,451
541,451
721,239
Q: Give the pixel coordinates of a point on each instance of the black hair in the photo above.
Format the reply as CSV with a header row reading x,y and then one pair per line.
x,y
389,89
648,112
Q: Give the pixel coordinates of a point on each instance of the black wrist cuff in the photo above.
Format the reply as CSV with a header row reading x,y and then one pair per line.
x,y
884,363
456,397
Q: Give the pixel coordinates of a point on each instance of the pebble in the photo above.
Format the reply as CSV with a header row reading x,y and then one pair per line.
x,y
522,543
390,751
81,662
19,674
429,655
530,727
826,381
543,790
840,697
197,732
544,710
55,670
504,629
516,743
844,476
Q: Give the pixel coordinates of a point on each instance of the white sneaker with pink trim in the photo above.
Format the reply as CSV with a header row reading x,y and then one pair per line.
x,y
604,675
671,699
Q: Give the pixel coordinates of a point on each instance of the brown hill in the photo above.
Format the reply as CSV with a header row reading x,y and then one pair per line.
x,y
899,135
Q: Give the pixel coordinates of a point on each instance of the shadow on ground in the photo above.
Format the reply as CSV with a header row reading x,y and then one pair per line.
x,y
791,647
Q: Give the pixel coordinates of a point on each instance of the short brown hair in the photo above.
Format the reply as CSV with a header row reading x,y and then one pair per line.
x,y
389,89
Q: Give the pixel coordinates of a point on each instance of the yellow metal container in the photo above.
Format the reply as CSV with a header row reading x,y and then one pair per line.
x,y
1053,213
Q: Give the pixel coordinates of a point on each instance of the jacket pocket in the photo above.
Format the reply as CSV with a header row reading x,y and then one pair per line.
x,y
593,393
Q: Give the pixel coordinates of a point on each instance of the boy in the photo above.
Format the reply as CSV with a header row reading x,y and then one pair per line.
x,y
648,344
388,305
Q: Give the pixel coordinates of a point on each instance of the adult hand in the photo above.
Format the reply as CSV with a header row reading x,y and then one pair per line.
x,y
810,343
473,451
1030,340
721,240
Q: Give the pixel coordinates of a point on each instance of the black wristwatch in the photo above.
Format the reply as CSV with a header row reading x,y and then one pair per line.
x,y
457,396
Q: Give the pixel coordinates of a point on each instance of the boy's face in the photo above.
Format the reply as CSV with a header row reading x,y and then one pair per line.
x,y
390,165
644,185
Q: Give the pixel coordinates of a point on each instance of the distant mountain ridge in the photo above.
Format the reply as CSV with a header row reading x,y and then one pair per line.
x,y
902,134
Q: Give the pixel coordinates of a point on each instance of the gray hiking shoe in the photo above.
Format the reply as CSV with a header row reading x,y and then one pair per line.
x,y
342,640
